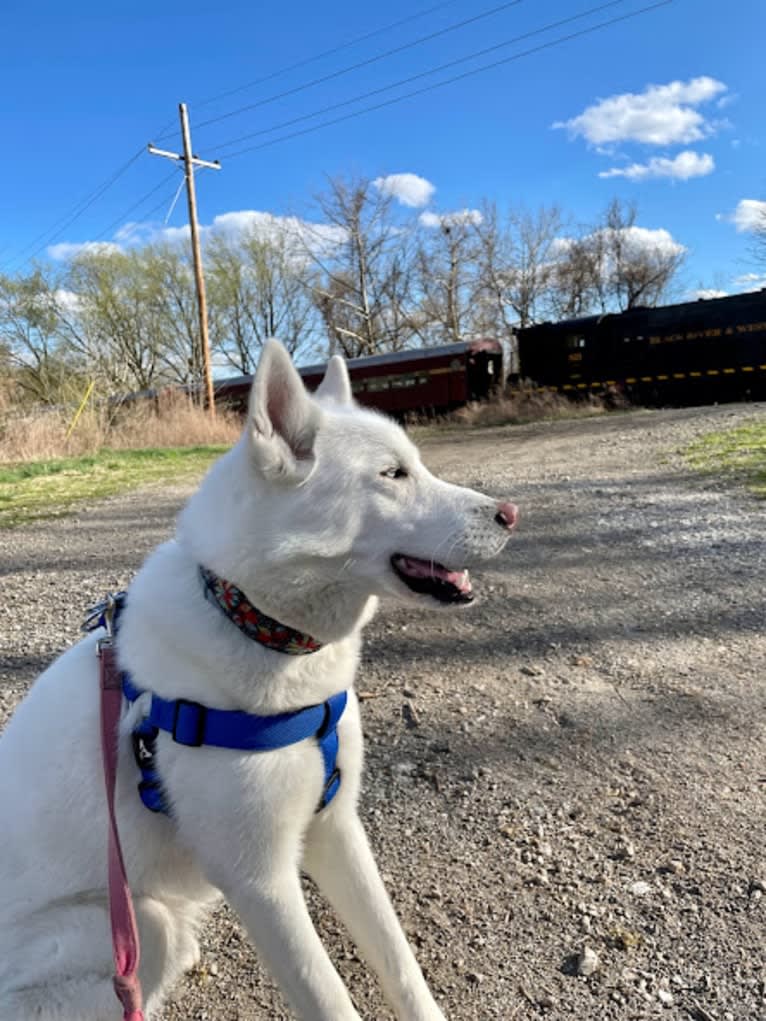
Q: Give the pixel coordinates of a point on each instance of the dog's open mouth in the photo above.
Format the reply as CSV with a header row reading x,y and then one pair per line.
x,y
426,577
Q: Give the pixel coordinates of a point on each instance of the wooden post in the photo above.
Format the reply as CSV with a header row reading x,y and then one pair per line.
x,y
199,276
189,161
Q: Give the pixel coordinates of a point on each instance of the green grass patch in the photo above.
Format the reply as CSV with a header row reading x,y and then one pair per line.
x,y
45,489
739,454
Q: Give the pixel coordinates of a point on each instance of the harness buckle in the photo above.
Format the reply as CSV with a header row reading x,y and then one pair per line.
x,y
189,717
104,614
330,788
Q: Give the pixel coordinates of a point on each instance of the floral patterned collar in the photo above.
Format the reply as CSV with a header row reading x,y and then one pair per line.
x,y
256,625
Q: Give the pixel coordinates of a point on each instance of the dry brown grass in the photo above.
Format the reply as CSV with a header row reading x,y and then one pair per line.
x,y
527,404
173,421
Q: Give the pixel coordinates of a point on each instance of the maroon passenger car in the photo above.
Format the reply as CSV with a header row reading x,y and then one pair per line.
x,y
430,380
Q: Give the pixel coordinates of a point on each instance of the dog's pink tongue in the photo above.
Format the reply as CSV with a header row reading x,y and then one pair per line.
x,y
427,569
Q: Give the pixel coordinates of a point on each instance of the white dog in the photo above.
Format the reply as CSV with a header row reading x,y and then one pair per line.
x,y
320,508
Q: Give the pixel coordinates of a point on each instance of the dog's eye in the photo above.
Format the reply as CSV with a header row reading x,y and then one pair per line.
x,y
394,473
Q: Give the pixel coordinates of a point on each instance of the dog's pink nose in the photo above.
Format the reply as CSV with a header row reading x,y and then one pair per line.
x,y
507,515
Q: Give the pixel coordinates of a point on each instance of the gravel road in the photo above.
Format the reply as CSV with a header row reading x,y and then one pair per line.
x,y
565,784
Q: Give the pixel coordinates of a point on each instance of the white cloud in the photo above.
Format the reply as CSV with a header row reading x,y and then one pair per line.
x,y
749,215
67,300
409,189
636,241
472,216
68,249
130,231
709,292
683,166
652,239
173,235
238,223
299,236
660,115
751,281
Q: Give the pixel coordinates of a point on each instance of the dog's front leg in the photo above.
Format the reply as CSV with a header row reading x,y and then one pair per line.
x,y
277,920
338,858
248,843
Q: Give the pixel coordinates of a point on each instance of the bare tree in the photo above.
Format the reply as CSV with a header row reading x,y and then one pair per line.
x,y
614,265
578,283
260,287
362,256
638,266
518,258
171,289
448,285
758,246
42,363
120,324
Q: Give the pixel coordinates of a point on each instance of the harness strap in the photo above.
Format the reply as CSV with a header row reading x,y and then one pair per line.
x,y
125,946
192,724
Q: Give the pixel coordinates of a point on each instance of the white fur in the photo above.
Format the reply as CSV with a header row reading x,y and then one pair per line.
x,y
301,516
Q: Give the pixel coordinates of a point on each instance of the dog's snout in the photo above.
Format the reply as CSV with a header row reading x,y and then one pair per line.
x,y
507,515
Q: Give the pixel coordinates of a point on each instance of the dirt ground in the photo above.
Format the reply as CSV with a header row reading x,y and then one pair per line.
x,y
565,784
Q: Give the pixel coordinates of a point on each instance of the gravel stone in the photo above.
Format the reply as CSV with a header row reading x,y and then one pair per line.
x,y
635,588
587,961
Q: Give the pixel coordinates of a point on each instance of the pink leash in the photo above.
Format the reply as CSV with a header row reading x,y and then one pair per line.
x,y
125,944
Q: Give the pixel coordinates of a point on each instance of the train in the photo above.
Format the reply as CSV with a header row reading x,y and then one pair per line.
x,y
697,352
431,380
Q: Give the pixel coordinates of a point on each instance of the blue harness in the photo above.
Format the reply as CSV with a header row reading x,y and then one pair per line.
x,y
194,725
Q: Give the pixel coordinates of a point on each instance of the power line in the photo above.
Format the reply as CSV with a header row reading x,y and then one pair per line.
x,y
455,78
362,63
422,74
123,216
86,203
325,53
161,204
54,232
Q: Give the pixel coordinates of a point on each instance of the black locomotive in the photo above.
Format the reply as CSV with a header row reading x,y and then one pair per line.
x,y
701,351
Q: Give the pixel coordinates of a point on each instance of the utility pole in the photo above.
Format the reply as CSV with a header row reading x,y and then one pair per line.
x,y
190,162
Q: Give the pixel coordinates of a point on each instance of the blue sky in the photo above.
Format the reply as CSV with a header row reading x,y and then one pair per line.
x,y
666,106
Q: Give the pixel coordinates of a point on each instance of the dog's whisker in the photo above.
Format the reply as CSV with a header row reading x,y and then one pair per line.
x,y
436,549
453,544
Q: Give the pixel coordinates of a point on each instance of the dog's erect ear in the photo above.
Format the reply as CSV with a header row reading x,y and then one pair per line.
x,y
283,418
336,385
